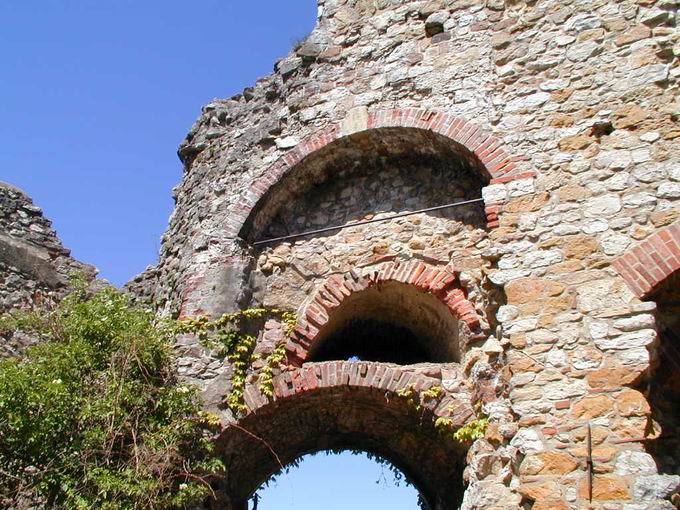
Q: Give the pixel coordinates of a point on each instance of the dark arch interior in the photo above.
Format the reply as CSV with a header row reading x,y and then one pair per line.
x,y
392,322
340,418
372,340
664,390
375,159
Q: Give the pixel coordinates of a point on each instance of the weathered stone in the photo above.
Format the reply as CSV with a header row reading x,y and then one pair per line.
x,y
609,378
652,487
563,118
636,33
604,206
525,290
634,463
629,116
592,407
548,463
576,142
632,403
607,488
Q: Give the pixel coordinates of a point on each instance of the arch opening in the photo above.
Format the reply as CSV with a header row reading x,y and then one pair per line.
x,y
391,322
343,479
377,171
339,418
664,391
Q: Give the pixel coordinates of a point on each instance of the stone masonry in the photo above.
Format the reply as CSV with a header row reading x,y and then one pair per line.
x,y
547,302
35,268
563,117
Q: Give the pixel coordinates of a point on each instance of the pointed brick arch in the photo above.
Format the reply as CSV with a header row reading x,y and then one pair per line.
x,y
650,263
493,157
440,282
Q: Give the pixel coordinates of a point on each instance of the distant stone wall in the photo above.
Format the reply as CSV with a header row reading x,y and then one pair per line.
x,y
34,265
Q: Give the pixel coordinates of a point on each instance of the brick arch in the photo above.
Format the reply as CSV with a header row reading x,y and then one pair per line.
x,y
440,282
650,263
343,405
356,376
493,157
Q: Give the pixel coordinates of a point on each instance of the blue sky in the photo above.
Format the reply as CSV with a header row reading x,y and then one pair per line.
x,y
95,97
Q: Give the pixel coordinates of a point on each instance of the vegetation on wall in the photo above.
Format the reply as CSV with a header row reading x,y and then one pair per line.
x,y
465,435
233,336
94,416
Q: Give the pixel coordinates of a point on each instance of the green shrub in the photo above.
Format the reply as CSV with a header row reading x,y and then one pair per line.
x,y
94,416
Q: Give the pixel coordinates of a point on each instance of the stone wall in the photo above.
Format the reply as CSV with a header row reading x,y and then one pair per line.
x,y
34,266
563,117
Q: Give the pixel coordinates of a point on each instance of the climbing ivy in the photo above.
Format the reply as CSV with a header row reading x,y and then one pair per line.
x,y
232,335
465,435
469,432
416,399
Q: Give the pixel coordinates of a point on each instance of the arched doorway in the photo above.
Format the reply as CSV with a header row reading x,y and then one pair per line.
x,y
341,480
362,406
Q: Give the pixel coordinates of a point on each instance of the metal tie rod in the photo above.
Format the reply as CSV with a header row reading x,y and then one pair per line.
x,y
366,222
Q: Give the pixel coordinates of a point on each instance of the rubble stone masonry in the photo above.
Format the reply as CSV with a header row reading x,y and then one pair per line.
x,y
549,306
563,117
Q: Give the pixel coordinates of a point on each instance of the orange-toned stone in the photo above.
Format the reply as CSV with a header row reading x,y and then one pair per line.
x,y
548,463
629,116
575,143
634,428
568,266
632,403
518,340
509,220
664,217
550,504
546,320
528,309
562,95
562,120
524,290
579,247
592,407
594,34
557,304
381,248
531,420
606,488
528,203
538,490
601,454
611,378
520,363
572,193
597,434
636,33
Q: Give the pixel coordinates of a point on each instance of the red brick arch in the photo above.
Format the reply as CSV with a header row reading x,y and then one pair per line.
x,y
647,265
440,282
352,376
341,405
494,157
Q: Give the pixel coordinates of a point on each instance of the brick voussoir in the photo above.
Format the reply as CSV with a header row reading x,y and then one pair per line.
x,y
650,263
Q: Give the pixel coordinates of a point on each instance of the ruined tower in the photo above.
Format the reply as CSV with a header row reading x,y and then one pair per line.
x,y
543,302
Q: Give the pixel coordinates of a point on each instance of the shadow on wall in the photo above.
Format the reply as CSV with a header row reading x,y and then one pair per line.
x,y
664,386
385,170
392,322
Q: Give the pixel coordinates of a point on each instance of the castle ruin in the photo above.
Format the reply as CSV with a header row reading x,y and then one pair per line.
x,y
542,296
